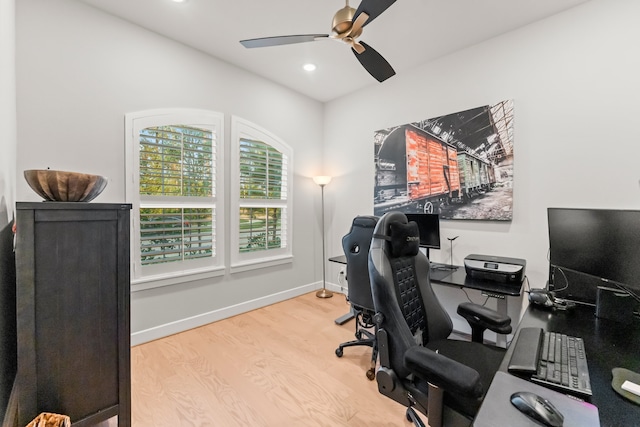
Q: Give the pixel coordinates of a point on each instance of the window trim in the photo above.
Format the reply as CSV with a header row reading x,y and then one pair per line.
x,y
244,129
177,273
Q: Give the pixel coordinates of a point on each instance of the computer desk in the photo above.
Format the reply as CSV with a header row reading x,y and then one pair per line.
x,y
342,259
456,276
608,344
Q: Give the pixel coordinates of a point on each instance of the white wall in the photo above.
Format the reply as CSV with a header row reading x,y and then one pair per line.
x,y
80,70
7,197
574,79
7,110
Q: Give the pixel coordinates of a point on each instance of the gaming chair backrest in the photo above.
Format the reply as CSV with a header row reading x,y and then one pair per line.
x,y
356,249
401,289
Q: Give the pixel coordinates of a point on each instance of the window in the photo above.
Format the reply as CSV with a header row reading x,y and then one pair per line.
x,y
260,197
174,161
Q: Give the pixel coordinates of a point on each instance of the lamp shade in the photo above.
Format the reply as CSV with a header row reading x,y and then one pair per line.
x,y
322,180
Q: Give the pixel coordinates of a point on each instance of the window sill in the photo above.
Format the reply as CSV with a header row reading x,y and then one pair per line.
x,y
168,279
239,267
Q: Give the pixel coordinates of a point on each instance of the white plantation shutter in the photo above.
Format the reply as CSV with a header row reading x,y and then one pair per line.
x,y
263,176
177,160
177,174
261,166
176,234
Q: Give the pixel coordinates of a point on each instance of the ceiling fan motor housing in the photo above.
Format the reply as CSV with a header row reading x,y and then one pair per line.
x,y
342,21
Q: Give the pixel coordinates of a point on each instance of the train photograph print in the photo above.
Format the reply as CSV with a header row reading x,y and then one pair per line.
x,y
459,166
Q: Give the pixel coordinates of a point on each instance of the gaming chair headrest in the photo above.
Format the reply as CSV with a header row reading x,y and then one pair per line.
x,y
398,236
359,235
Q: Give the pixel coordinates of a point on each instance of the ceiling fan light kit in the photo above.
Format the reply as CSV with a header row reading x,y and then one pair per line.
x,y
347,25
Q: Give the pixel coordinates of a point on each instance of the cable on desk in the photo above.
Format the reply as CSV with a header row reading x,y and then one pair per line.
x,y
566,281
465,292
526,278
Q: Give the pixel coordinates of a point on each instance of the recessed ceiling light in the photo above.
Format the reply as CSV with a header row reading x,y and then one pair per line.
x,y
180,1
309,67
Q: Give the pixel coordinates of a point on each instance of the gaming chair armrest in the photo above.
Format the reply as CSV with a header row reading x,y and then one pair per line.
x,y
443,372
481,318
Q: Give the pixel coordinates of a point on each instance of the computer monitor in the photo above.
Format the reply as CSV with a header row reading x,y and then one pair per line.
x,y
429,227
594,247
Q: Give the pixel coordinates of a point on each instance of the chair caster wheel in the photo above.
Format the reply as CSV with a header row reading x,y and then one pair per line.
x,y
359,335
411,415
371,375
339,352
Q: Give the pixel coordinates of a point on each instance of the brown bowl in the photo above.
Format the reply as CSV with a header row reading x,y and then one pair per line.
x,y
61,186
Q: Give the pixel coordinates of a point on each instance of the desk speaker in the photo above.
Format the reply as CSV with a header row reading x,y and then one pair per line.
x,y
614,304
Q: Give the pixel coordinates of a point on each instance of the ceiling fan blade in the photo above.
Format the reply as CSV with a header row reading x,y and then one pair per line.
x,y
280,40
373,8
358,23
374,63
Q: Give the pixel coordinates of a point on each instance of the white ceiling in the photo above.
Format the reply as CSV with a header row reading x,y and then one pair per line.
x,y
409,33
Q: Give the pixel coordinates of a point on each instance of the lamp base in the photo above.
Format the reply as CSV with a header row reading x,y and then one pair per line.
x,y
324,293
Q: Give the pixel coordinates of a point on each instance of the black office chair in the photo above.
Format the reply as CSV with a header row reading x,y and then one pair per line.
x,y
356,249
419,366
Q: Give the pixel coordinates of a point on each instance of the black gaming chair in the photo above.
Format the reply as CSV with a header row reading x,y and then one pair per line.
x,y
356,249
419,367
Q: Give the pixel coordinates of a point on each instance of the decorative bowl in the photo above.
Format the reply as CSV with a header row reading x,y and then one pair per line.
x,y
61,186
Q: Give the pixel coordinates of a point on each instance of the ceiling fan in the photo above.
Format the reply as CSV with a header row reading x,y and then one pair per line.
x,y
347,26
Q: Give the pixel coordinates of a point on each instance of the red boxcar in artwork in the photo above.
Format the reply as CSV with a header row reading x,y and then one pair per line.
x,y
416,171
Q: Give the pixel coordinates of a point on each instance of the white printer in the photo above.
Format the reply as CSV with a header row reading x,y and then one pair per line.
x,y
495,268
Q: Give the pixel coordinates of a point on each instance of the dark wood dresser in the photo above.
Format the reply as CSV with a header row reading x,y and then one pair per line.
x,y
73,321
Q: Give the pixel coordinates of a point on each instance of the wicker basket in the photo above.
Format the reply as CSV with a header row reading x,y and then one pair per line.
x,y
47,419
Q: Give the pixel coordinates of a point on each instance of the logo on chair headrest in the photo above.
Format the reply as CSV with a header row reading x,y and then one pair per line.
x,y
405,239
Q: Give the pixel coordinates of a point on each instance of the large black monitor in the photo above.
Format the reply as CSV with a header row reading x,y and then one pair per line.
x,y
429,227
594,247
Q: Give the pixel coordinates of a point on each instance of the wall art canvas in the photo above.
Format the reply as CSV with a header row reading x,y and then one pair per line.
x,y
459,166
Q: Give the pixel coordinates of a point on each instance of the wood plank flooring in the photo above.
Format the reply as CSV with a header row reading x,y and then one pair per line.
x,y
274,366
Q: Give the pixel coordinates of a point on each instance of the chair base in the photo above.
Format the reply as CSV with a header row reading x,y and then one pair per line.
x,y
413,417
370,341
363,337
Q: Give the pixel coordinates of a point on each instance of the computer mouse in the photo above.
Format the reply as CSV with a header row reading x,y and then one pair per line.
x,y
540,297
537,408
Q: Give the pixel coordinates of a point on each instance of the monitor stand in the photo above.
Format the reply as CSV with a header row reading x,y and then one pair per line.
x,y
451,266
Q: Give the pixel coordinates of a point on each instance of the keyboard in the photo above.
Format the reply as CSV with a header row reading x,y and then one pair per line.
x,y
552,359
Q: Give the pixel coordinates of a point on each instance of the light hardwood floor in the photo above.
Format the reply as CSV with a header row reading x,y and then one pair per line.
x,y
275,366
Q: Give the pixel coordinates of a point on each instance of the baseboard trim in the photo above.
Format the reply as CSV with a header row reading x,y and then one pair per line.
x,y
182,325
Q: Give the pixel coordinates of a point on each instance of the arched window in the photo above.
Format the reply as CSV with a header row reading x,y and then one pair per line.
x,y
261,176
175,184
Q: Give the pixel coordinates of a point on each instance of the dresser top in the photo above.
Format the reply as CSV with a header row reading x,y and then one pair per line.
x,y
71,205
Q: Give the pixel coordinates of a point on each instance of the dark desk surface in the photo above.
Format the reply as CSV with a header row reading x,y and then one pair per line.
x,y
608,345
458,277
340,259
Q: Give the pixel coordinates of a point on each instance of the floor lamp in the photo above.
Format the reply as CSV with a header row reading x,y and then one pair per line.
x,y
323,293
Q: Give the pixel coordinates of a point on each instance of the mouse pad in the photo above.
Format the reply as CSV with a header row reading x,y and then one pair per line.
x,y
620,375
497,410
